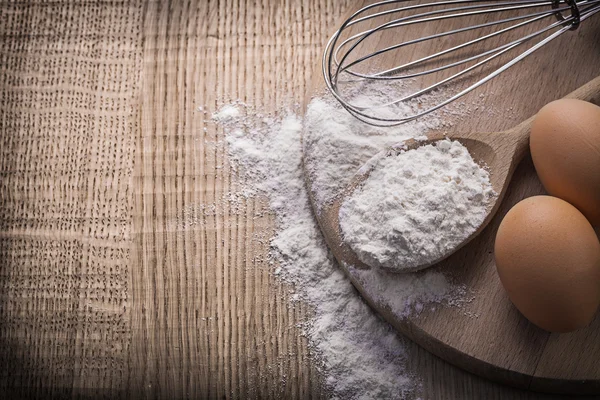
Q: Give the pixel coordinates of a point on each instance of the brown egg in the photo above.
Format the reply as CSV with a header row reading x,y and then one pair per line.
x,y
548,260
565,147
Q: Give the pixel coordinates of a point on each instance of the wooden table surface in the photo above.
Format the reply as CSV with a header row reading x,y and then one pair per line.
x,y
103,293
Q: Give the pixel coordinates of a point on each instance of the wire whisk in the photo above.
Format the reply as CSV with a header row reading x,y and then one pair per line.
x,y
345,58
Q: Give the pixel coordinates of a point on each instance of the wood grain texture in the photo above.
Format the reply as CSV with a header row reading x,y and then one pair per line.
x,y
499,344
214,322
68,117
123,272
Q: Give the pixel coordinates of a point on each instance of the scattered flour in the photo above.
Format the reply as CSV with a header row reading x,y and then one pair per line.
x,y
336,144
362,356
227,113
415,207
411,293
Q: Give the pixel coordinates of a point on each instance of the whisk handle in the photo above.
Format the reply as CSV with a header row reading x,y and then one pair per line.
x,y
520,134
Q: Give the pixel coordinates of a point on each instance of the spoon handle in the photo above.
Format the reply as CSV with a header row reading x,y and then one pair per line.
x,y
588,92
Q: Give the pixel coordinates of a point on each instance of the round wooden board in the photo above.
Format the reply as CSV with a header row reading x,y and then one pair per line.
x,y
499,343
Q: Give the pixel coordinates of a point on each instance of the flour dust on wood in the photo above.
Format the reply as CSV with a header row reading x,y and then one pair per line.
x,y
362,356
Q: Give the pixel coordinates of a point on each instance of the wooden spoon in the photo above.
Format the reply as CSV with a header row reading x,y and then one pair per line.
x,y
500,152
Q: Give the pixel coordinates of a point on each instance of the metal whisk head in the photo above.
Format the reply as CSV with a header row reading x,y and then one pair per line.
x,y
476,50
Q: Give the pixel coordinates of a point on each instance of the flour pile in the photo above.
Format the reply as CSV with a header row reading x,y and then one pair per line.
x,y
362,356
415,207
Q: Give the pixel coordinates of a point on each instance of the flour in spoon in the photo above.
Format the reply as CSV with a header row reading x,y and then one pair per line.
x,y
416,207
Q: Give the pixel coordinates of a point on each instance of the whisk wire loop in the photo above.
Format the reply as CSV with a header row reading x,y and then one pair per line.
x,y
340,58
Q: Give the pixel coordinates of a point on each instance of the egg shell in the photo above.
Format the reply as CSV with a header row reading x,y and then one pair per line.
x,y
548,260
565,147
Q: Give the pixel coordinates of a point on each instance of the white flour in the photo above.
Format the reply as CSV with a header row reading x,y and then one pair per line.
x,y
336,144
414,208
362,356
410,293
226,113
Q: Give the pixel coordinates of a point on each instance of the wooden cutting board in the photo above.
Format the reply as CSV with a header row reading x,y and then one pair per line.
x,y
493,339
